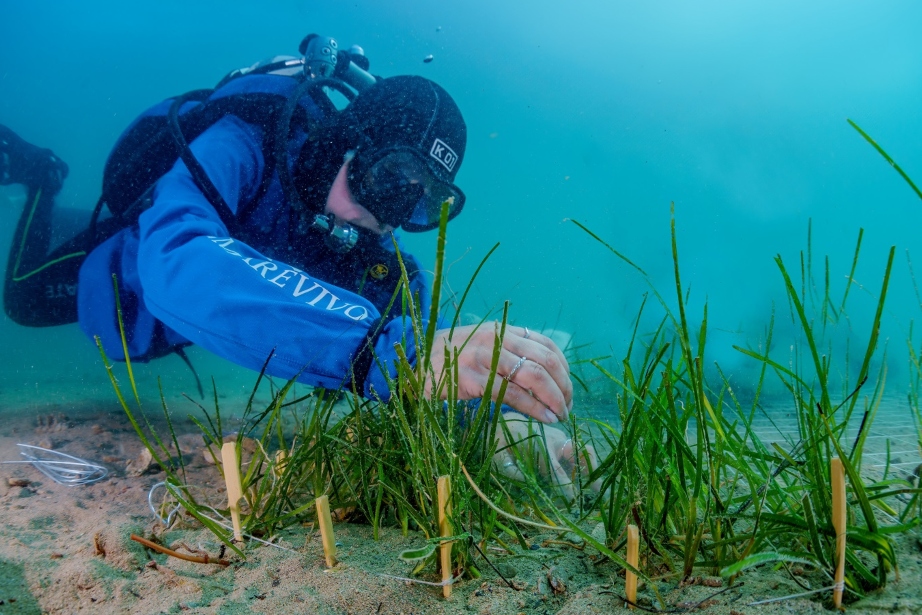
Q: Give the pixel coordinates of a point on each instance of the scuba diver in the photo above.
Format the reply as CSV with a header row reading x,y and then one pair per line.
x,y
257,220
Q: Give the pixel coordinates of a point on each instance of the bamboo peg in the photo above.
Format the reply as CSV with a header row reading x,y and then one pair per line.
x,y
837,472
326,530
281,458
234,488
630,578
444,488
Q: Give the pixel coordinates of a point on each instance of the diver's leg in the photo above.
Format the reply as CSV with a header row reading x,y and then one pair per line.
x,y
40,289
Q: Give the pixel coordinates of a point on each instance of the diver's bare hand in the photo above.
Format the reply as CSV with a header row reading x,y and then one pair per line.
x,y
553,454
535,368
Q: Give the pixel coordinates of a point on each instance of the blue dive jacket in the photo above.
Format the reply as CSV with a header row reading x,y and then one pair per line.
x,y
183,279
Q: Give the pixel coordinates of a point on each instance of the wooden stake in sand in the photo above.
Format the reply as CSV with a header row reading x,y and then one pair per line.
x,y
281,458
444,487
234,488
326,530
630,578
838,523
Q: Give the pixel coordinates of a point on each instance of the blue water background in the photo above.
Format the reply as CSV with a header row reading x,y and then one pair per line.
x,y
604,112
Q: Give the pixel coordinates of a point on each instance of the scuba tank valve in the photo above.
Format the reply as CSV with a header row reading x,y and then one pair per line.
x,y
324,59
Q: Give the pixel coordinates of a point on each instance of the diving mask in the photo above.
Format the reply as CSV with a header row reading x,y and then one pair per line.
x,y
400,188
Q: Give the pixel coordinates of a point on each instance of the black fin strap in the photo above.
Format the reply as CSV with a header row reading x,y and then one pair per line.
x,y
182,355
199,176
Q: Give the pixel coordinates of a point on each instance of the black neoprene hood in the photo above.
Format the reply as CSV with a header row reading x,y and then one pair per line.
x,y
404,112
409,111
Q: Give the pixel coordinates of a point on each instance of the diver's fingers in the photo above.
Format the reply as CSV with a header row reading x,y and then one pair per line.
x,y
542,376
474,369
546,372
518,342
530,377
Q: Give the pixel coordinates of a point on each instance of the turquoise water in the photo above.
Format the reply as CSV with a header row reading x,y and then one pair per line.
x,y
605,112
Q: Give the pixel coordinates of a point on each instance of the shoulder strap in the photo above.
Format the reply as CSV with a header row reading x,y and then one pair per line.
x,y
274,113
198,173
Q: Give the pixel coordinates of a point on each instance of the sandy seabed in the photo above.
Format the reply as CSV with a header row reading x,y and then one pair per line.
x,y
66,549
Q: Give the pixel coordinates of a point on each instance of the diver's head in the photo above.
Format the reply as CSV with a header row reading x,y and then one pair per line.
x,y
404,140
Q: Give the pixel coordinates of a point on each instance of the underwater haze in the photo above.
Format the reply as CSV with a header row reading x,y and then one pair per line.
x,y
599,111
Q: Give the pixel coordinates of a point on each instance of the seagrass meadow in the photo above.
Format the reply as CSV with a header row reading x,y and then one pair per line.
x,y
729,489
723,488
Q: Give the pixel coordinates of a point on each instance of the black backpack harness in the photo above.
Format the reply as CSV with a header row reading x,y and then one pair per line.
x,y
148,149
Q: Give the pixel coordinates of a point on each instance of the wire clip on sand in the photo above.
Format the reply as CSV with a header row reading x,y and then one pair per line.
x,y
62,468
168,521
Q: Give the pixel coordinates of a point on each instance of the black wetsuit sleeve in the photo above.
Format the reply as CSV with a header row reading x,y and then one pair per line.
x,y
24,163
